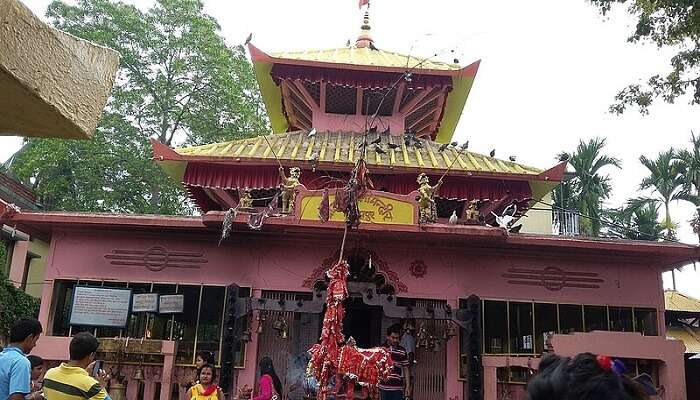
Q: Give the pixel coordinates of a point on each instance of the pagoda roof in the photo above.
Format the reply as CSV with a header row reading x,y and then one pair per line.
x,y
339,151
367,57
677,301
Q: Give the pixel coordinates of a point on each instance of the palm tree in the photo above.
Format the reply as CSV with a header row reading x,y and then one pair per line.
x,y
588,187
637,220
690,171
666,181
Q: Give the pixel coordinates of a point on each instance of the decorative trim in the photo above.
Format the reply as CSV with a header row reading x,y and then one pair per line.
x,y
553,278
419,269
156,258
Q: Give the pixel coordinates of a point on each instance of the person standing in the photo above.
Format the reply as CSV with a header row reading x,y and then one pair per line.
x,y
37,364
394,387
15,368
206,389
70,380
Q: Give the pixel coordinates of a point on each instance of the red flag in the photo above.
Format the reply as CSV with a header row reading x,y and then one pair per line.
x,y
363,3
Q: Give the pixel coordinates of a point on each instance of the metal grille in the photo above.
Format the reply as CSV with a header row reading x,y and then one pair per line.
x,y
314,89
341,99
429,371
372,98
270,343
565,223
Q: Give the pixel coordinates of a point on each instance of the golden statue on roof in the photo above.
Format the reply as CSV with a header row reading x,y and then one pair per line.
x,y
426,201
289,185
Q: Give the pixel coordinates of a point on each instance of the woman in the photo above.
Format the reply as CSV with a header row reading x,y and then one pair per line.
x,y
584,377
270,384
202,358
206,389
37,365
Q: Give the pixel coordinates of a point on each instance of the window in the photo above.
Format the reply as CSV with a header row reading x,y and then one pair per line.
x,y
596,318
645,321
185,324
570,318
545,325
209,329
63,296
137,321
495,327
621,319
521,340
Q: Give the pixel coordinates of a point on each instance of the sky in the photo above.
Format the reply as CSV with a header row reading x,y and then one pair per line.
x,y
549,70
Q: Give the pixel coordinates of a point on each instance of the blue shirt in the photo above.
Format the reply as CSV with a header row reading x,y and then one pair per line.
x,y
15,372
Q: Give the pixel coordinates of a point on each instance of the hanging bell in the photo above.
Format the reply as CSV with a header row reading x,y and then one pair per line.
x,y
284,334
451,330
423,336
138,374
436,345
261,327
279,324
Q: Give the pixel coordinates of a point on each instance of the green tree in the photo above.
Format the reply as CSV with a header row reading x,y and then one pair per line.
x,y
672,24
589,188
690,172
178,82
637,220
666,181
15,305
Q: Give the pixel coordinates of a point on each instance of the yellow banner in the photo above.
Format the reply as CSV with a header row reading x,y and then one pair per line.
x,y
374,209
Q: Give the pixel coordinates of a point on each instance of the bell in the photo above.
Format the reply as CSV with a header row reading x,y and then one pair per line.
x,y
285,332
138,374
279,324
261,326
246,336
451,330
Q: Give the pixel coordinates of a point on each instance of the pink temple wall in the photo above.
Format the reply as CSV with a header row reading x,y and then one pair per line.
x,y
283,263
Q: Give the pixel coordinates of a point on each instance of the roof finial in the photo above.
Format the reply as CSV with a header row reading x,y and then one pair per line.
x,y
365,40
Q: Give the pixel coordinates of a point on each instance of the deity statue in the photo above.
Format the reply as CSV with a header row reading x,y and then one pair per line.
x,y
471,213
245,200
426,201
289,185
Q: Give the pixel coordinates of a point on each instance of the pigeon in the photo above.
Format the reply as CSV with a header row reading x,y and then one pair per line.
x,y
312,133
516,228
454,144
372,129
407,140
493,153
453,218
379,150
512,158
393,146
564,157
377,140
465,145
372,46
443,147
407,76
417,143
348,43
249,38
504,220
456,60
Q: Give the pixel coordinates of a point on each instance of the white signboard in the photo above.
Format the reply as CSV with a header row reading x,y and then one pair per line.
x,y
171,304
145,302
98,306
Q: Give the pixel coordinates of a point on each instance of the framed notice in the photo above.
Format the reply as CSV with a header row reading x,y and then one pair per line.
x,y
144,302
171,304
100,306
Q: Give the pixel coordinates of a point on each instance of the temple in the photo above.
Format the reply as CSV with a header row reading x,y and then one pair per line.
x,y
446,242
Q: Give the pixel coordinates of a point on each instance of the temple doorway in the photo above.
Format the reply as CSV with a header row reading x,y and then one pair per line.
x,y
363,323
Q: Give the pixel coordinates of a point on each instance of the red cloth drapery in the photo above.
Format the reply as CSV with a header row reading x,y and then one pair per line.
x,y
231,177
363,79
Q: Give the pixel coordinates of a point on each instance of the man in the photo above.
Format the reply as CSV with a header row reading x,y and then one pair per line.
x,y
394,387
408,341
15,369
71,381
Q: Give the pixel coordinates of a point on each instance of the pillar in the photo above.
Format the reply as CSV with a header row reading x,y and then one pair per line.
x,y
166,378
18,265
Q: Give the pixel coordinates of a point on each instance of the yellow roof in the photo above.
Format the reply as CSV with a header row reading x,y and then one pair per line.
x,y
342,148
688,335
676,301
367,57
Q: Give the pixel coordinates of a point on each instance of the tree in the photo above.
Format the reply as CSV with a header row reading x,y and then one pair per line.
x,y
671,24
637,220
666,181
690,172
588,187
178,82
15,305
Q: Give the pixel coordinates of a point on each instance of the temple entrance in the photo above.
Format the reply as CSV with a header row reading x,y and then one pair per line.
x,y
363,323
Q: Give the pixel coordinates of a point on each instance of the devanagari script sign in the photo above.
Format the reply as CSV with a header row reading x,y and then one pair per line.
x,y
98,306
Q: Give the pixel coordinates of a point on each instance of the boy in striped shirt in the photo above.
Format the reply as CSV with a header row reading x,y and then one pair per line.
x,y
394,387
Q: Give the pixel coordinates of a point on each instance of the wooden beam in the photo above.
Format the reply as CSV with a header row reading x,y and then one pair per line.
x,y
293,90
322,106
420,96
423,102
423,122
306,95
288,106
358,103
298,109
399,95
438,108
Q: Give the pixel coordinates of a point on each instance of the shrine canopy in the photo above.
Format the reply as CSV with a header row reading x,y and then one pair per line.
x,y
52,84
337,89
212,173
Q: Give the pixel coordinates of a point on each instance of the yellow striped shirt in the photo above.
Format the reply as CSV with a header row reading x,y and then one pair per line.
x,y
72,383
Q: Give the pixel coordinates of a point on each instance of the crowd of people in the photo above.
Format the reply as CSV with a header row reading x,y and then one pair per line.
x,y
583,377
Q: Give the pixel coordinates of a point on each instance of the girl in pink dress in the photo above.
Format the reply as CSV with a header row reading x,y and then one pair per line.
x,y
270,385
